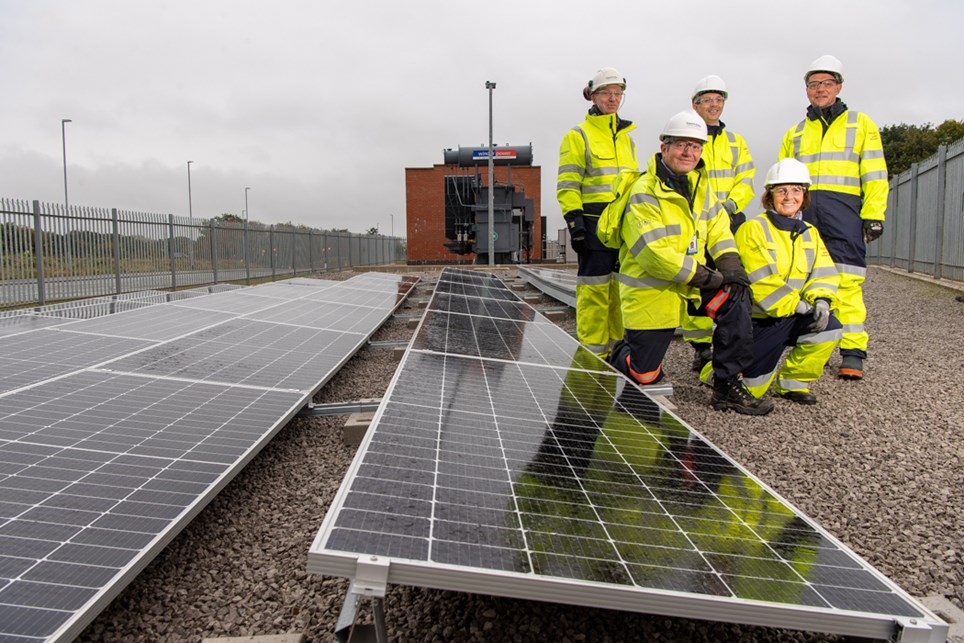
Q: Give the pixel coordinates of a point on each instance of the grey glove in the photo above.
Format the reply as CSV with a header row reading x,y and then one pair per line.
x,y
803,308
821,316
873,230
730,206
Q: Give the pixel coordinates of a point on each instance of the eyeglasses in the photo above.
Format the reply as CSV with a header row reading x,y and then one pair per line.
x,y
707,100
795,190
828,83
686,146
609,94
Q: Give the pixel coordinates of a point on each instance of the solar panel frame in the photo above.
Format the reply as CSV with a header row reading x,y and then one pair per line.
x,y
375,530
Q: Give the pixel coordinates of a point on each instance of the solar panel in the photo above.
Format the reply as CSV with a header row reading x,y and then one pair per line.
x,y
559,284
116,431
501,472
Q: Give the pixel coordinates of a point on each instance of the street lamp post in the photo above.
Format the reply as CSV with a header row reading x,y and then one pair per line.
x,y
247,264
190,212
392,217
490,86
63,139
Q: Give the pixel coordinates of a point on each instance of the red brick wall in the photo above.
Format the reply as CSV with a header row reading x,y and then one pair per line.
x,y
425,208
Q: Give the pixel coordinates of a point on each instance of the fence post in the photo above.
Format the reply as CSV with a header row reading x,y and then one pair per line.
x,y
115,234
294,251
311,257
271,250
941,210
38,253
214,250
170,246
912,238
247,263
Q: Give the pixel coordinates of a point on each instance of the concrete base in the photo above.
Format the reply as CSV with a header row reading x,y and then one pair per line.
x,y
267,638
355,428
398,352
532,299
554,315
413,323
951,615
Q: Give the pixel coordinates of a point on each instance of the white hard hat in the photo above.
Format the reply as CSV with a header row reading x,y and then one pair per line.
x,y
787,171
827,64
606,76
686,124
711,83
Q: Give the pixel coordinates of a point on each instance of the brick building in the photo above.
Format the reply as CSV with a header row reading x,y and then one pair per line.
x,y
425,208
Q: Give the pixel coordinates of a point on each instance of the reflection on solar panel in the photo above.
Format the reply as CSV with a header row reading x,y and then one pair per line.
x,y
117,429
496,466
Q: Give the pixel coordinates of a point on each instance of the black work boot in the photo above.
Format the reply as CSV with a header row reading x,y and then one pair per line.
x,y
704,353
732,394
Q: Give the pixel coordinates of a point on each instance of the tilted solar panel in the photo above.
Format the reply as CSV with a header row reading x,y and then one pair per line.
x,y
115,431
495,467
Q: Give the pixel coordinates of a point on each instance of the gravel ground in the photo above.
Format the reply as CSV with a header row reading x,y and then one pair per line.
x,y
878,463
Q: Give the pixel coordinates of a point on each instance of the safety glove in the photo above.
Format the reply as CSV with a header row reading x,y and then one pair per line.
x,y
821,316
734,275
577,230
706,278
873,230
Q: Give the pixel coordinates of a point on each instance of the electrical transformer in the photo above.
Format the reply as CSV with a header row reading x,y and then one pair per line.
x,y
467,207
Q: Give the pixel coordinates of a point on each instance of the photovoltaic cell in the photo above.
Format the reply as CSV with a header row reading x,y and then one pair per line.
x,y
115,430
492,468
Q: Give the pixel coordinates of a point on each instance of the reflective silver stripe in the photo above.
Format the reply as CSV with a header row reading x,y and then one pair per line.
x,y
602,171
845,269
585,143
588,188
635,282
827,179
594,280
768,302
873,154
797,140
823,337
796,283
759,380
762,272
853,328
570,168
734,148
744,168
659,233
720,246
642,197
598,349
851,139
823,271
721,196
721,174
792,385
811,254
874,176
689,268
568,185
712,212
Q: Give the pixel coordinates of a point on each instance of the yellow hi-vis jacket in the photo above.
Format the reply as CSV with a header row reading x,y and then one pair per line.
x,y
849,158
590,156
786,263
730,168
663,241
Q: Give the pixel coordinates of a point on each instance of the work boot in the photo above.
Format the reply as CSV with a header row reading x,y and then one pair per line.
x,y
733,394
800,397
851,368
704,354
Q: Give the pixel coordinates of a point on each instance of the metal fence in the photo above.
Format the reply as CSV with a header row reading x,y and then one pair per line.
x,y
51,253
924,230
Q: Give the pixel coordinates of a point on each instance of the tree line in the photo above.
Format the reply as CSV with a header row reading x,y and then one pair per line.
x,y
906,144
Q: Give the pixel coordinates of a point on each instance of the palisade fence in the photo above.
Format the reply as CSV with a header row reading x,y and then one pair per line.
x,y
51,253
924,229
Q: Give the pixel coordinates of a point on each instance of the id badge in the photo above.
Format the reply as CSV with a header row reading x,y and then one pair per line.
x,y
693,247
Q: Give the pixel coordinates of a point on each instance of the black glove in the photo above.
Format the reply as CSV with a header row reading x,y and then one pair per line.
x,y
578,244
734,275
821,316
706,278
873,230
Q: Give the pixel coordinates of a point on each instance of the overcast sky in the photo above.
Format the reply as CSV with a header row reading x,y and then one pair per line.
x,y
319,106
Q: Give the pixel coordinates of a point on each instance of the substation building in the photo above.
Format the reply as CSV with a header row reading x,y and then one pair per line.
x,y
447,208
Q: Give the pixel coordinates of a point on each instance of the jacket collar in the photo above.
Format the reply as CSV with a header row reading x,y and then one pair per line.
x,y
613,121
787,224
828,114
